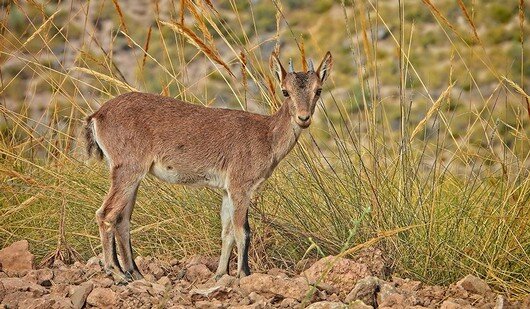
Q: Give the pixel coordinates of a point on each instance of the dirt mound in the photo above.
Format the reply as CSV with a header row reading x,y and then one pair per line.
x,y
328,283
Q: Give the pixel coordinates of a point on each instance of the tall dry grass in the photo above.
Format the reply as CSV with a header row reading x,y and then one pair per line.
x,y
459,206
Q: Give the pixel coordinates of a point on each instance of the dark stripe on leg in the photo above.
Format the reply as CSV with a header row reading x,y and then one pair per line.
x,y
114,254
132,256
245,267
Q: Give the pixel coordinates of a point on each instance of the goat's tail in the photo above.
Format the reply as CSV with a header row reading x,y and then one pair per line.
x,y
92,147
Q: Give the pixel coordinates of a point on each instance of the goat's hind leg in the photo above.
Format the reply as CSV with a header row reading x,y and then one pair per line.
x,y
123,239
124,183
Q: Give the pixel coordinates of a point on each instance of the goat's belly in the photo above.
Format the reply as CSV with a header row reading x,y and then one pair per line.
x,y
198,179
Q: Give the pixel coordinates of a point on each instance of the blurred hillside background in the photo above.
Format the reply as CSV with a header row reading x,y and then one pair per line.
x,y
423,126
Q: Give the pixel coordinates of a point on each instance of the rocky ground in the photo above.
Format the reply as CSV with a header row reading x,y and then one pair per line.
x,y
327,283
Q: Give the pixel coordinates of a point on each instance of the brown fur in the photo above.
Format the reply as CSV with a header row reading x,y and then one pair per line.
x,y
178,142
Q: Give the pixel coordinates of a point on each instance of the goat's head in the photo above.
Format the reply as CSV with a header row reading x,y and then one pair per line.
x,y
302,89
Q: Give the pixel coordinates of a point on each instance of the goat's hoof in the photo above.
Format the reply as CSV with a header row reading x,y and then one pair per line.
x,y
132,275
118,277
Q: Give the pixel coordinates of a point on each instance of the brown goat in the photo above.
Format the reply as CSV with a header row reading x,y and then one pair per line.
x,y
178,142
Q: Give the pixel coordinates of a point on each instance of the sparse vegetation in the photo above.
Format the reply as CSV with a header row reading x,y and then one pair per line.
x,y
423,126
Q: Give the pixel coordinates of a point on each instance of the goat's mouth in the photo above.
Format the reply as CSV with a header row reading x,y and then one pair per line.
x,y
303,124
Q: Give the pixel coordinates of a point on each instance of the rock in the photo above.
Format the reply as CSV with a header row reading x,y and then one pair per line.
x,y
35,303
270,286
211,263
102,282
39,276
16,258
327,287
157,289
364,290
256,298
46,302
474,285
64,275
455,304
156,270
80,294
198,273
102,298
18,285
288,303
204,304
226,281
139,286
207,293
359,304
375,260
327,305
343,274
11,300
389,296
499,302
94,261
165,281
277,272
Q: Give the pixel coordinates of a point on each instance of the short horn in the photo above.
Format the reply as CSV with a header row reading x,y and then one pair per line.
x,y
291,68
310,65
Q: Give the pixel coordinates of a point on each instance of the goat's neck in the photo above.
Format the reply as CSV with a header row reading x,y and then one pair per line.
x,y
285,132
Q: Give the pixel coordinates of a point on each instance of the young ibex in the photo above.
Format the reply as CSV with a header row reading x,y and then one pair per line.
x,y
178,142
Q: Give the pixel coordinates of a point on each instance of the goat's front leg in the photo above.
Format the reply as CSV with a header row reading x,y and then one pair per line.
x,y
227,236
241,231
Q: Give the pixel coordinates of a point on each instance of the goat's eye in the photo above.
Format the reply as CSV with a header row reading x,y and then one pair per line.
x,y
318,92
285,93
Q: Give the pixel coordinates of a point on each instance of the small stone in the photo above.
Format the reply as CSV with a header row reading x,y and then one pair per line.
x,y
158,289
277,272
256,298
473,284
288,303
198,273
389,296
39,276
102,298
327,305
156,270
165,281
80,294
94,261
205,292
323,286
11,300
499,302
359,304
16,258
102,282
270,286
364,290
65,275
204,304
455,304
343,274
226,281
149,278
12,285
139,286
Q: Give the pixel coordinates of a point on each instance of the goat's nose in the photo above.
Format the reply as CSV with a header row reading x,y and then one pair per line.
x,y
304,118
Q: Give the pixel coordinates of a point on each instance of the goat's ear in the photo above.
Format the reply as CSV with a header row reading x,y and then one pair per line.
x,y
325,67
277,67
